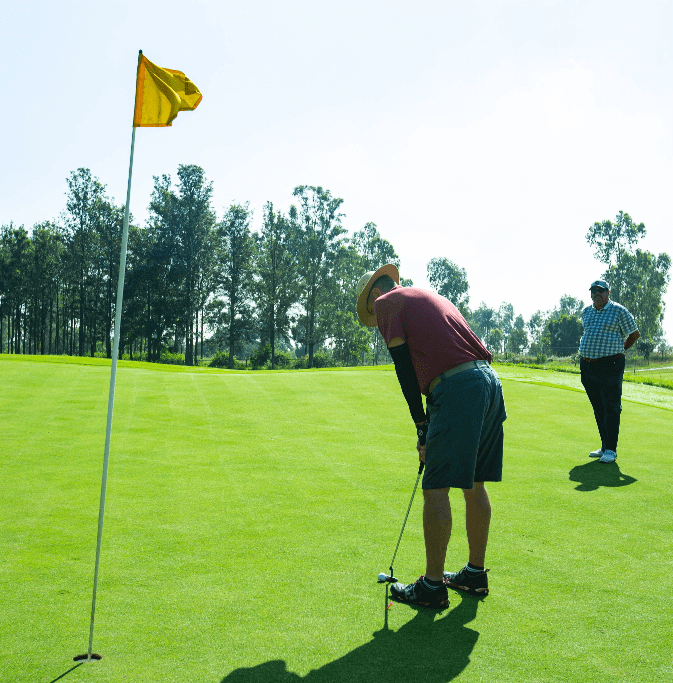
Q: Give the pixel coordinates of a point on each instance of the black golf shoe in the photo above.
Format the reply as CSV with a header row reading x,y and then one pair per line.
x,y
474,583
418,594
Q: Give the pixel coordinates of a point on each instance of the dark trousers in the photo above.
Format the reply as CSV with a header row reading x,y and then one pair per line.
x,y
602,380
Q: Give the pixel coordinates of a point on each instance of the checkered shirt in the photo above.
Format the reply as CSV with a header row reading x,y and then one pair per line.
x,y
605,330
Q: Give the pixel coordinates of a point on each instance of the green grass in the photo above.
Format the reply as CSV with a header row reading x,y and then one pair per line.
x,y
249,513
656,377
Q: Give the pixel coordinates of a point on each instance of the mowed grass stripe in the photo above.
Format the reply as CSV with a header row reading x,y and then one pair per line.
x,y
248,516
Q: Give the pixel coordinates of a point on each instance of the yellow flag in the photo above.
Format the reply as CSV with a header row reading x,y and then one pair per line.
x,y
161,94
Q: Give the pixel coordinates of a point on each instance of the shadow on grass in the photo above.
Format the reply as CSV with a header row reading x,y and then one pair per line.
x,y
63,675
595,474
431,648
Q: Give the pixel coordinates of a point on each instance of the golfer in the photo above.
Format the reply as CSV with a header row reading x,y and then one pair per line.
x,y
460,439
609,330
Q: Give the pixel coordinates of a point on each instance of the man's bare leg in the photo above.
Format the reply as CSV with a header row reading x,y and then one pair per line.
x,y
437,531
477,522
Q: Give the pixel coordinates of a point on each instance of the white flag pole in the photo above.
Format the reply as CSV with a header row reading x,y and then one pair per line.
x,y
113,376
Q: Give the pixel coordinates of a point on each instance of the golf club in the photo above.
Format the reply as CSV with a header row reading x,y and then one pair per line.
x,y
390,578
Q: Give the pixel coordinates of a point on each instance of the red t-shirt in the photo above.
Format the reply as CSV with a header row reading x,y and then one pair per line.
x,y
438,336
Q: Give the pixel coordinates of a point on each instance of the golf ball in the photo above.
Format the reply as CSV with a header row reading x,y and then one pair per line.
x,y
382,576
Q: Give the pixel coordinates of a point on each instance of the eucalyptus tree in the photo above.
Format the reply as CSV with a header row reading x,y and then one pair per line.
x,y
638,282
638,279
535,327
178,252
374,252
154,267
612,239
485,319
15,251
505,320
276,286
195,223
562,334
450,281
235,278
45,274
349,338
318,238
83,201
108,224
494,340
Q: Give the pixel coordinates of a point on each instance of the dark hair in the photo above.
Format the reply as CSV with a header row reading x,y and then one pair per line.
x,y
385,282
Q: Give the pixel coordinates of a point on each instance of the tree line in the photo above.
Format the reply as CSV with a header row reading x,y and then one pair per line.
x,y
198,286
194,284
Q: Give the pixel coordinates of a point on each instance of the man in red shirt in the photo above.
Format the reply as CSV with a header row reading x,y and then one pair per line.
x,y
460,438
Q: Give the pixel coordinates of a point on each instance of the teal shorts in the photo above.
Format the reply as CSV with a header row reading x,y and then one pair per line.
x,y
465,437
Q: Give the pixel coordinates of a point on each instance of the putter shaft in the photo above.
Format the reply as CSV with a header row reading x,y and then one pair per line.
x,y
420,470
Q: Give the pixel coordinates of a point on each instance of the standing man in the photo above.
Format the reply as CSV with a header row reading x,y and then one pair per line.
x,y
460,440
609,330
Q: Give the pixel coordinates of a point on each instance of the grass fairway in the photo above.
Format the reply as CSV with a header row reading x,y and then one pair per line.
x,y
248,515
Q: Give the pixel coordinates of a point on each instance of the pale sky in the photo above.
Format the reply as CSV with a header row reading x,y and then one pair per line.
x,y
491,133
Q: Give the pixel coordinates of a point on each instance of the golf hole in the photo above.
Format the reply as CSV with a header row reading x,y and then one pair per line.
x,y
85,658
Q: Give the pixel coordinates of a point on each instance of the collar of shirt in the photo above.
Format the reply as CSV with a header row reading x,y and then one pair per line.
x,y
600,310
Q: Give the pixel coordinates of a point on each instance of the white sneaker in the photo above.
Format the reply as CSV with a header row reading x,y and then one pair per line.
x,y
596,454
608,456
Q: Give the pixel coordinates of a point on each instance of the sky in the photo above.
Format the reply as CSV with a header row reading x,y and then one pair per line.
x,y
493,133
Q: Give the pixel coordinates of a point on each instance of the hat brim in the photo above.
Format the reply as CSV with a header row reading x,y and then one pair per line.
x,y
367,318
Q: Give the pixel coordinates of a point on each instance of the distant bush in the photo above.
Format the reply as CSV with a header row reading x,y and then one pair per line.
x,y
284,359
169,358
323,360
260,357
320,360
219,360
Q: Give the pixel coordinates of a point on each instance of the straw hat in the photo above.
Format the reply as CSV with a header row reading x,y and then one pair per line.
x,y
365,285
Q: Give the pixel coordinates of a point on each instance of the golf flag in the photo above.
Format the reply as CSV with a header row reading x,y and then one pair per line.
x,y
161,94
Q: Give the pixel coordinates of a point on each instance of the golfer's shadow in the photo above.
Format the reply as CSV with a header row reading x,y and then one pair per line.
x,y
431,648
595,474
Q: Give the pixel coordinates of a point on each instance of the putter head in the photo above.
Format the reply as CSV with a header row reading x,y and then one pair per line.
x,y
387,579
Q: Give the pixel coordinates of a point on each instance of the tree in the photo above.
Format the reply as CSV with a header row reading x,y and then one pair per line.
x,y
15,250
638,281
374,252
505,320
154,270
45,274
349,339
373,249
196,221
569,305
108,224
450,281
318,238
275,287
236,281
178,259
84,197
484,320
611,239
494,340
517,340
535,326
562,335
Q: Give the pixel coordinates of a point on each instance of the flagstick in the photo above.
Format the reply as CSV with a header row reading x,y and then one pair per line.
x,y
113,376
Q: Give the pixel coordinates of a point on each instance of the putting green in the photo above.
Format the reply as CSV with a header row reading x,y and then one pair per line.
x,y
249,514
